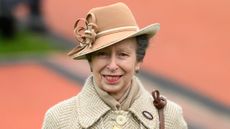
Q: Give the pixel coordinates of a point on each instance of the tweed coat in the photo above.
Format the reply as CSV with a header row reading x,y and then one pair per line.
x,y
88,111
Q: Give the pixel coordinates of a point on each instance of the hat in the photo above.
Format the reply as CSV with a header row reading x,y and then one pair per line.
x,y
105,26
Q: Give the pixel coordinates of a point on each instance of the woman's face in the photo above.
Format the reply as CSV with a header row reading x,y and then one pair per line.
x,y
113,67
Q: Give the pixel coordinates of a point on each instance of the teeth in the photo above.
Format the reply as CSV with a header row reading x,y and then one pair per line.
x,y
112,78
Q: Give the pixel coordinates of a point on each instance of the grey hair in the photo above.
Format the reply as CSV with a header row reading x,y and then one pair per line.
x,y
142,45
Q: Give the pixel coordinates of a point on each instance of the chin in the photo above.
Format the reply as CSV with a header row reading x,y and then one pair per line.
x,y
111,88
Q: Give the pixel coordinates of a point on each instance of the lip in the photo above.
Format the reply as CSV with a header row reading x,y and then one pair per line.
x,y
112,79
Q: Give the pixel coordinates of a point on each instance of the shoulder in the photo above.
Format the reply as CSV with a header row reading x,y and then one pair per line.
x,y
59,115
172,108
63,107
174,116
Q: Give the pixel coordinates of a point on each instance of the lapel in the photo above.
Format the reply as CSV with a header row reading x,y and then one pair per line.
x,y
89,105
145,103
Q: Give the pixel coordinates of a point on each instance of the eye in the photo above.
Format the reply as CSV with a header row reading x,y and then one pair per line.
x,y
123,54
102,54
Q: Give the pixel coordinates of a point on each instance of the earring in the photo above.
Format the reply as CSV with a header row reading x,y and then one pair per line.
x,y
137,70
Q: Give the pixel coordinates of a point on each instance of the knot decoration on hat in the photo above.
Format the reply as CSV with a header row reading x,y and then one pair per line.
x,y
86,34
105,26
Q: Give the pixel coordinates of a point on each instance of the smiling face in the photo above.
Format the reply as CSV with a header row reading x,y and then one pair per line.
x,y
113,67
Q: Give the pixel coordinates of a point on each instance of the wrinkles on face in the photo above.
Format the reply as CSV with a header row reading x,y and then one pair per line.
x,y
113,67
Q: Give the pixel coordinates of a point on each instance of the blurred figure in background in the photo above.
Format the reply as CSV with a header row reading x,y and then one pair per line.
x,y
9,22
35,21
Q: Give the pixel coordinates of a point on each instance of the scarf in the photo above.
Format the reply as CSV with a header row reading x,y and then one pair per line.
x,y
131,94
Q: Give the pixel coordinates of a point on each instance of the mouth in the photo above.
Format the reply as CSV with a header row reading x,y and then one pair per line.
x,y
112,79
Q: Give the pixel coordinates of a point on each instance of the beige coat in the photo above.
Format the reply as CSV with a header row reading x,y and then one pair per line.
x,y
88,111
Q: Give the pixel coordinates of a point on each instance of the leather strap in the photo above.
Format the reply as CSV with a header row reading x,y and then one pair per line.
x,y
159,102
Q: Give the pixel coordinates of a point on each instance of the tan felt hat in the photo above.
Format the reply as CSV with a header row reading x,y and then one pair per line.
x,y
105,26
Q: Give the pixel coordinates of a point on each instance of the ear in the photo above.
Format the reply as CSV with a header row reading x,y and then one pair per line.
x,y
138,66
91,70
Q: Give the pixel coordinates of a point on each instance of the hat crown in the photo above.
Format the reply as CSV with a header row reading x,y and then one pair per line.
x,y
105,26
111,17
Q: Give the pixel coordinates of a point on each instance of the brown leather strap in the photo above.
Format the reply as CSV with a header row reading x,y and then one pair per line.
x,y
161,117
159,102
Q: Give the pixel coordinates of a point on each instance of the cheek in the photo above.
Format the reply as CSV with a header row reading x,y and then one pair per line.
x,y
129,67
97,66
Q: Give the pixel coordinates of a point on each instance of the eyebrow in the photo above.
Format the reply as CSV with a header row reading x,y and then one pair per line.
x,y
124,49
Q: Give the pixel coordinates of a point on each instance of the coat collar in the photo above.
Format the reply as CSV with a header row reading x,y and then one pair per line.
x,y
89,105
145,103
90,108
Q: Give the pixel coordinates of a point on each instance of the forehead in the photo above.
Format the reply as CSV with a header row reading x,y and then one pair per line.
x,y
127,44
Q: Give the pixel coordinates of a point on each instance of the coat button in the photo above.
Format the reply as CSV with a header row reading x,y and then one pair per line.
x,y
121,120
147,115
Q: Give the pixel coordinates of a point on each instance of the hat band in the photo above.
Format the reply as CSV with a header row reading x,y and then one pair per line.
x,y
118,29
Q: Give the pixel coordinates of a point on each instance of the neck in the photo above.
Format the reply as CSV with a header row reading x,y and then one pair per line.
x,y
120,95
116,96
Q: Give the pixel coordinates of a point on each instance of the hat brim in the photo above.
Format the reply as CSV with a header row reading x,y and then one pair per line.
x,y
111,39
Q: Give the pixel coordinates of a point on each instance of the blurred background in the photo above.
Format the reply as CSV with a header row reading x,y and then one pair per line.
x,y
188,60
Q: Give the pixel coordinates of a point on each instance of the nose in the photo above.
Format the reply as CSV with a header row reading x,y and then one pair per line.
x,y
112,64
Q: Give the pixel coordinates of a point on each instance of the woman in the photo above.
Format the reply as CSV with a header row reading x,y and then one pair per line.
x,y
112,97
